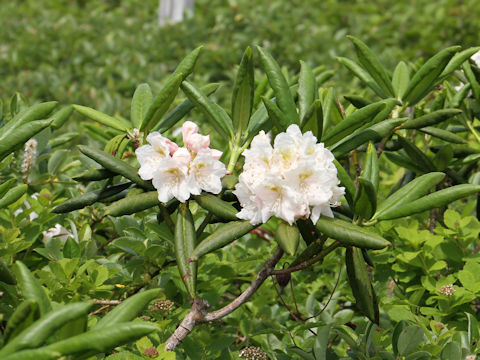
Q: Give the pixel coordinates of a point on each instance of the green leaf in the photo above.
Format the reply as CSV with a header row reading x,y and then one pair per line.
x,y
435,200
347,182
93,175
427,76
431,119
6,274
444,135
359,281
133,204
400,80
357,101
40,331
89,198
31,288
222,236
443,157
409,339
472,328
373,66
321,342
20,135
451,351
60,117
23,316
365,199
417,155
182,110
458,59
410,192
217,206
370,170
287,237
243,93
187,65
102,118
185,239
161,103
129,309
115,165
13,195
141,101
56,161
276,115
364,76
313,119
472,80
350,234
372,133
280,86
306,90
353,122
214,113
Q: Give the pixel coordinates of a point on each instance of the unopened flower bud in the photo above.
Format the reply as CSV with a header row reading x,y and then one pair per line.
x,y
447,290
253,353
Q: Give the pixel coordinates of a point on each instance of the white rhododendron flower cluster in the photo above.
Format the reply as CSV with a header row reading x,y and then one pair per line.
x,y
178,172
296,178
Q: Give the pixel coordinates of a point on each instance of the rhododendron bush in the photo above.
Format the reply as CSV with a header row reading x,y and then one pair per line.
x,y
156,231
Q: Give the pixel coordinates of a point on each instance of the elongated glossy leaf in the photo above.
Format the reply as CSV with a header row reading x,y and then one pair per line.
x,y
457,60
161,103
353,122
276,115
103,339
370,170
472,80
279,85
364,76
13,195
312,250
313,119
460,96
31,288
258,121
361,285
37,354
350,234
187,65
60,117
185,239
20,135
35,112
133,204
306,89
402,159
23,316
40,331
94,175
417,155
183,109
89,198
357,101
115,165
444,135
410,192
221,237
431,119
427,76
287,237
373,133
431,201
217,206
4,187
243,93
129,309
400,80
331,113
347,182
102,118
214,114
373,66
141,101
365,199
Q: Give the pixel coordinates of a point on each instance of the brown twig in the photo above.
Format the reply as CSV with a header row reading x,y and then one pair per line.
x,y
198,314
307,263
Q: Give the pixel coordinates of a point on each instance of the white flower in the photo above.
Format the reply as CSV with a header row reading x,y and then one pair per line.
x,y
57,231
296,178
476,58
180,172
